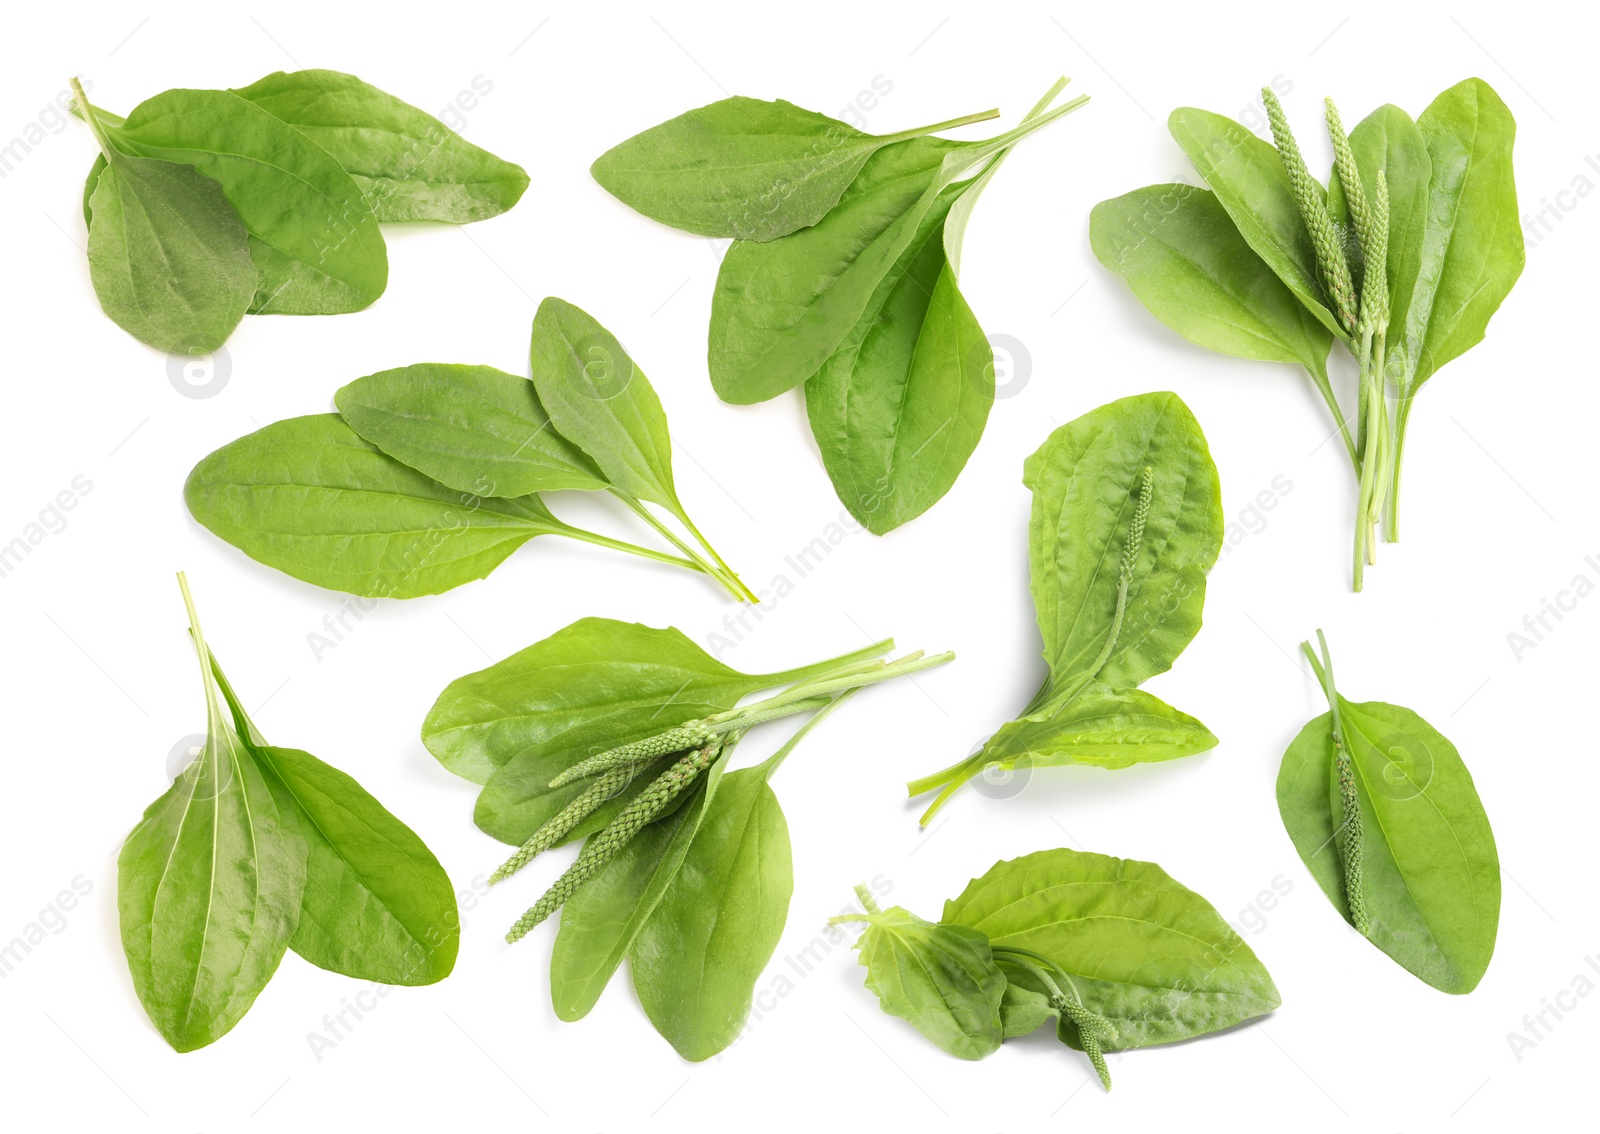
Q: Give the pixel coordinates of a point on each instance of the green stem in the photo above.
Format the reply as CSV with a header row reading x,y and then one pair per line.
x,y
864,896
985,150
631,548
771,763
959,771
807,690
1402,416
671,537
965,120
828,667
748,595
1325,388
90,116
213,710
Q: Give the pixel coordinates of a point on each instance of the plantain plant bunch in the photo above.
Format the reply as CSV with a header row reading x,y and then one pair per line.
x,y
621,735
1402,257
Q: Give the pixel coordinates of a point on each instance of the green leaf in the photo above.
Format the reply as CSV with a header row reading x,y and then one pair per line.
x,y
168,256
377,904
940,978
1472,248
900,406
1152,956
1389,140
1082,507
408,164
92,181
1110,620
311,498
209,886
1250,183
742,167
517,798
1103,727
1430,869
313,238
472,428
596,672
1023,1009
602,403
600,921
696,960
1085,481
781,309
1179,251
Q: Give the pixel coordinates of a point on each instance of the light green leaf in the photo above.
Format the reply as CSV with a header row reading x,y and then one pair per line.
x,y
597,672
209,886
475,429
1431,872
1150,955
601,920
1104,727
311,498
742,167
1179,251
313,238
940,978
408,164
601,402
377,904
1250,183
697,959
169,257
781,309
1085,480
900,406
1472,248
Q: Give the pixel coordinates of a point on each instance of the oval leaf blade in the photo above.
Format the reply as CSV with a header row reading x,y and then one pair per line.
x,y
1146,952
696,960
308,496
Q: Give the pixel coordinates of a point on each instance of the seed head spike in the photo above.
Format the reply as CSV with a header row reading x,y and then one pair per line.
x,y
603,846
1308,198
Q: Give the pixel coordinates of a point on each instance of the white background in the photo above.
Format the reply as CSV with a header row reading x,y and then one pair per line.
x,y
100,683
